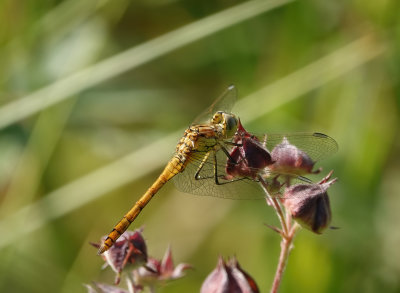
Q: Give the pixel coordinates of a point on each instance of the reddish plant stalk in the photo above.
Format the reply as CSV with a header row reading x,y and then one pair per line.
x,y
287,231
286,246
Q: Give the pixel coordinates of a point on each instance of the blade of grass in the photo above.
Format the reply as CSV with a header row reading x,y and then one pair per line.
x,y
131,58
87,188
66,13
152,157
41,144
308,78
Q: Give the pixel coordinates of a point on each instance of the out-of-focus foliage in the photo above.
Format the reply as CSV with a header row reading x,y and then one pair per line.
x,y
69,171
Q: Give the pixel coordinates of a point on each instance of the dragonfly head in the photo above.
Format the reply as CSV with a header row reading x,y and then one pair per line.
x,y
228,123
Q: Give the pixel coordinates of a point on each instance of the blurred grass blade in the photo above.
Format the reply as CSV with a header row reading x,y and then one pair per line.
x,y
132,58
152,157
42,142
66,13
308,78
87,188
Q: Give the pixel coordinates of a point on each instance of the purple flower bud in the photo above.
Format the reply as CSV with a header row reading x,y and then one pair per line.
x,y
156,270
247,159
309,204
229,278
288,159
130,249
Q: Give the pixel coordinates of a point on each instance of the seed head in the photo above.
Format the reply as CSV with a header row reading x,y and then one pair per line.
x,y
249,157
289,159
129,250
229,278
155,270
309,204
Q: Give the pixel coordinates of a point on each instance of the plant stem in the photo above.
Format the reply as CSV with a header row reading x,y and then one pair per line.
x,y
130,283
287,232
282,219
286,245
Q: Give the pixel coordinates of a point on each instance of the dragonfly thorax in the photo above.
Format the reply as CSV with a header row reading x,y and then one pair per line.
x,y
225,123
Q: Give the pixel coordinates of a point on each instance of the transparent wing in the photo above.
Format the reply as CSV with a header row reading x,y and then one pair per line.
x,y
317,145
238,188
224,103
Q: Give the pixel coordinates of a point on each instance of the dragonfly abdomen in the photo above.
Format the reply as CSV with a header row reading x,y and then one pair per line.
x,y
174,166
198,140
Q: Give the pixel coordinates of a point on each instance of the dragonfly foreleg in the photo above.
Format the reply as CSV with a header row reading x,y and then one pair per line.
x,y
233,143
232,160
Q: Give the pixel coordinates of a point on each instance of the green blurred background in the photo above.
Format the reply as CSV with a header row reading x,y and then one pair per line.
x,y
94,95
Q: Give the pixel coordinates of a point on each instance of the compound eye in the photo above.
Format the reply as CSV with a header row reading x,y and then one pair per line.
x,y
231,124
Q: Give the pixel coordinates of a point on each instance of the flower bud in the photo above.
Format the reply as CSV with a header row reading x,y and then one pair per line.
x,y
229,278
288,159
249,157
309,204
130,249
164,270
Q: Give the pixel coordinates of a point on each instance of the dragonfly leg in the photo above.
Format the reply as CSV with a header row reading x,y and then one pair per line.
x,y
233,143
227,154
217,177
217,182
204,160
216,170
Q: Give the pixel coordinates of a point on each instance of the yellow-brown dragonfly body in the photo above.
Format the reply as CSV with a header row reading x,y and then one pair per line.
x,y
198,139
203,157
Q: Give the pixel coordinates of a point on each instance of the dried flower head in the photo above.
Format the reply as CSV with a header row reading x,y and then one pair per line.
x,y
229,278
249,157
289,159
309,204
155,270
130,250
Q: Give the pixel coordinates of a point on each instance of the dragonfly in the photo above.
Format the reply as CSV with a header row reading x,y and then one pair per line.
x,y
199,164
